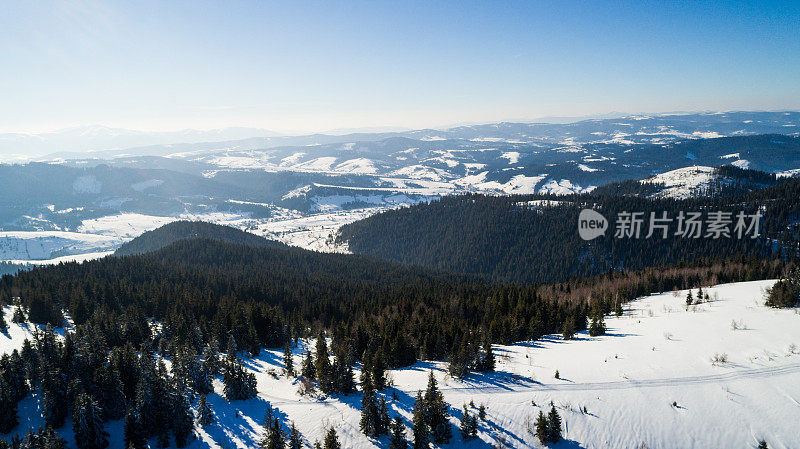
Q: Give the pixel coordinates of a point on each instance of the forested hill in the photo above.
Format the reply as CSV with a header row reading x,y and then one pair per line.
x,y
535,238
179,230
204,289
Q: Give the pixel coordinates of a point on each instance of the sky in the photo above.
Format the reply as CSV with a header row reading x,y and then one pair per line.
x,y
298,66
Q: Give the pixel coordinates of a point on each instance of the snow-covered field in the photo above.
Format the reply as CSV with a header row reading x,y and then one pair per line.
x,y
649,382
101,236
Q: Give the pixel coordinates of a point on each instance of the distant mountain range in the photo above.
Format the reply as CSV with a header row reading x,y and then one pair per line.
x,y
300,189
86,139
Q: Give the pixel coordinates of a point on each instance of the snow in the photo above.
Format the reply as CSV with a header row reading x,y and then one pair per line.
x,y
788,173
148,184
125,225
317,164
586,168
730,156
512,156
291,160
563,187
420,172
656,354
741,163
683,182
86,184
44,245
359,166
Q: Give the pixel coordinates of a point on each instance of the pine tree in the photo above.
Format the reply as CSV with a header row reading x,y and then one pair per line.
x,y
420,430
542,429
308,369
553,425
288,360
332,440
182,420
689,299
87,424
205,416
3,324
482,412
762,445
295,439
8,408
397,434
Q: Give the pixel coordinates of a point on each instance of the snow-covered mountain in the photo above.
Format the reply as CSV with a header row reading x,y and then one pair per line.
x,y
663,376
300,189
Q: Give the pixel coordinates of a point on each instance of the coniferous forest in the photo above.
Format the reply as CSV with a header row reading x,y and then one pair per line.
x,y
206,298
517,239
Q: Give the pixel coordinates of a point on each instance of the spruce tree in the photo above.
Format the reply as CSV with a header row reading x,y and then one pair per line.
x,y
542,429
239,383
8,408
397,434
420,430
87,424
331,440
3,324
383,416
295,439
19,315
182,420
134,434
211,358
762,445
469,425
436,413
322,365
203,378
288,360
378,369
54,397
553,426
598,326
369,408
689,299
274,437
308,369
232,349
205,416
110,392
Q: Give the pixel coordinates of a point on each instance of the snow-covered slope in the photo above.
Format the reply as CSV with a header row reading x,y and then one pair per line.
x,y
683,182
649,382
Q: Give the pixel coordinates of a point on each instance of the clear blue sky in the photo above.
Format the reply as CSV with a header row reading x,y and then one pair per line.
x,y
309,66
